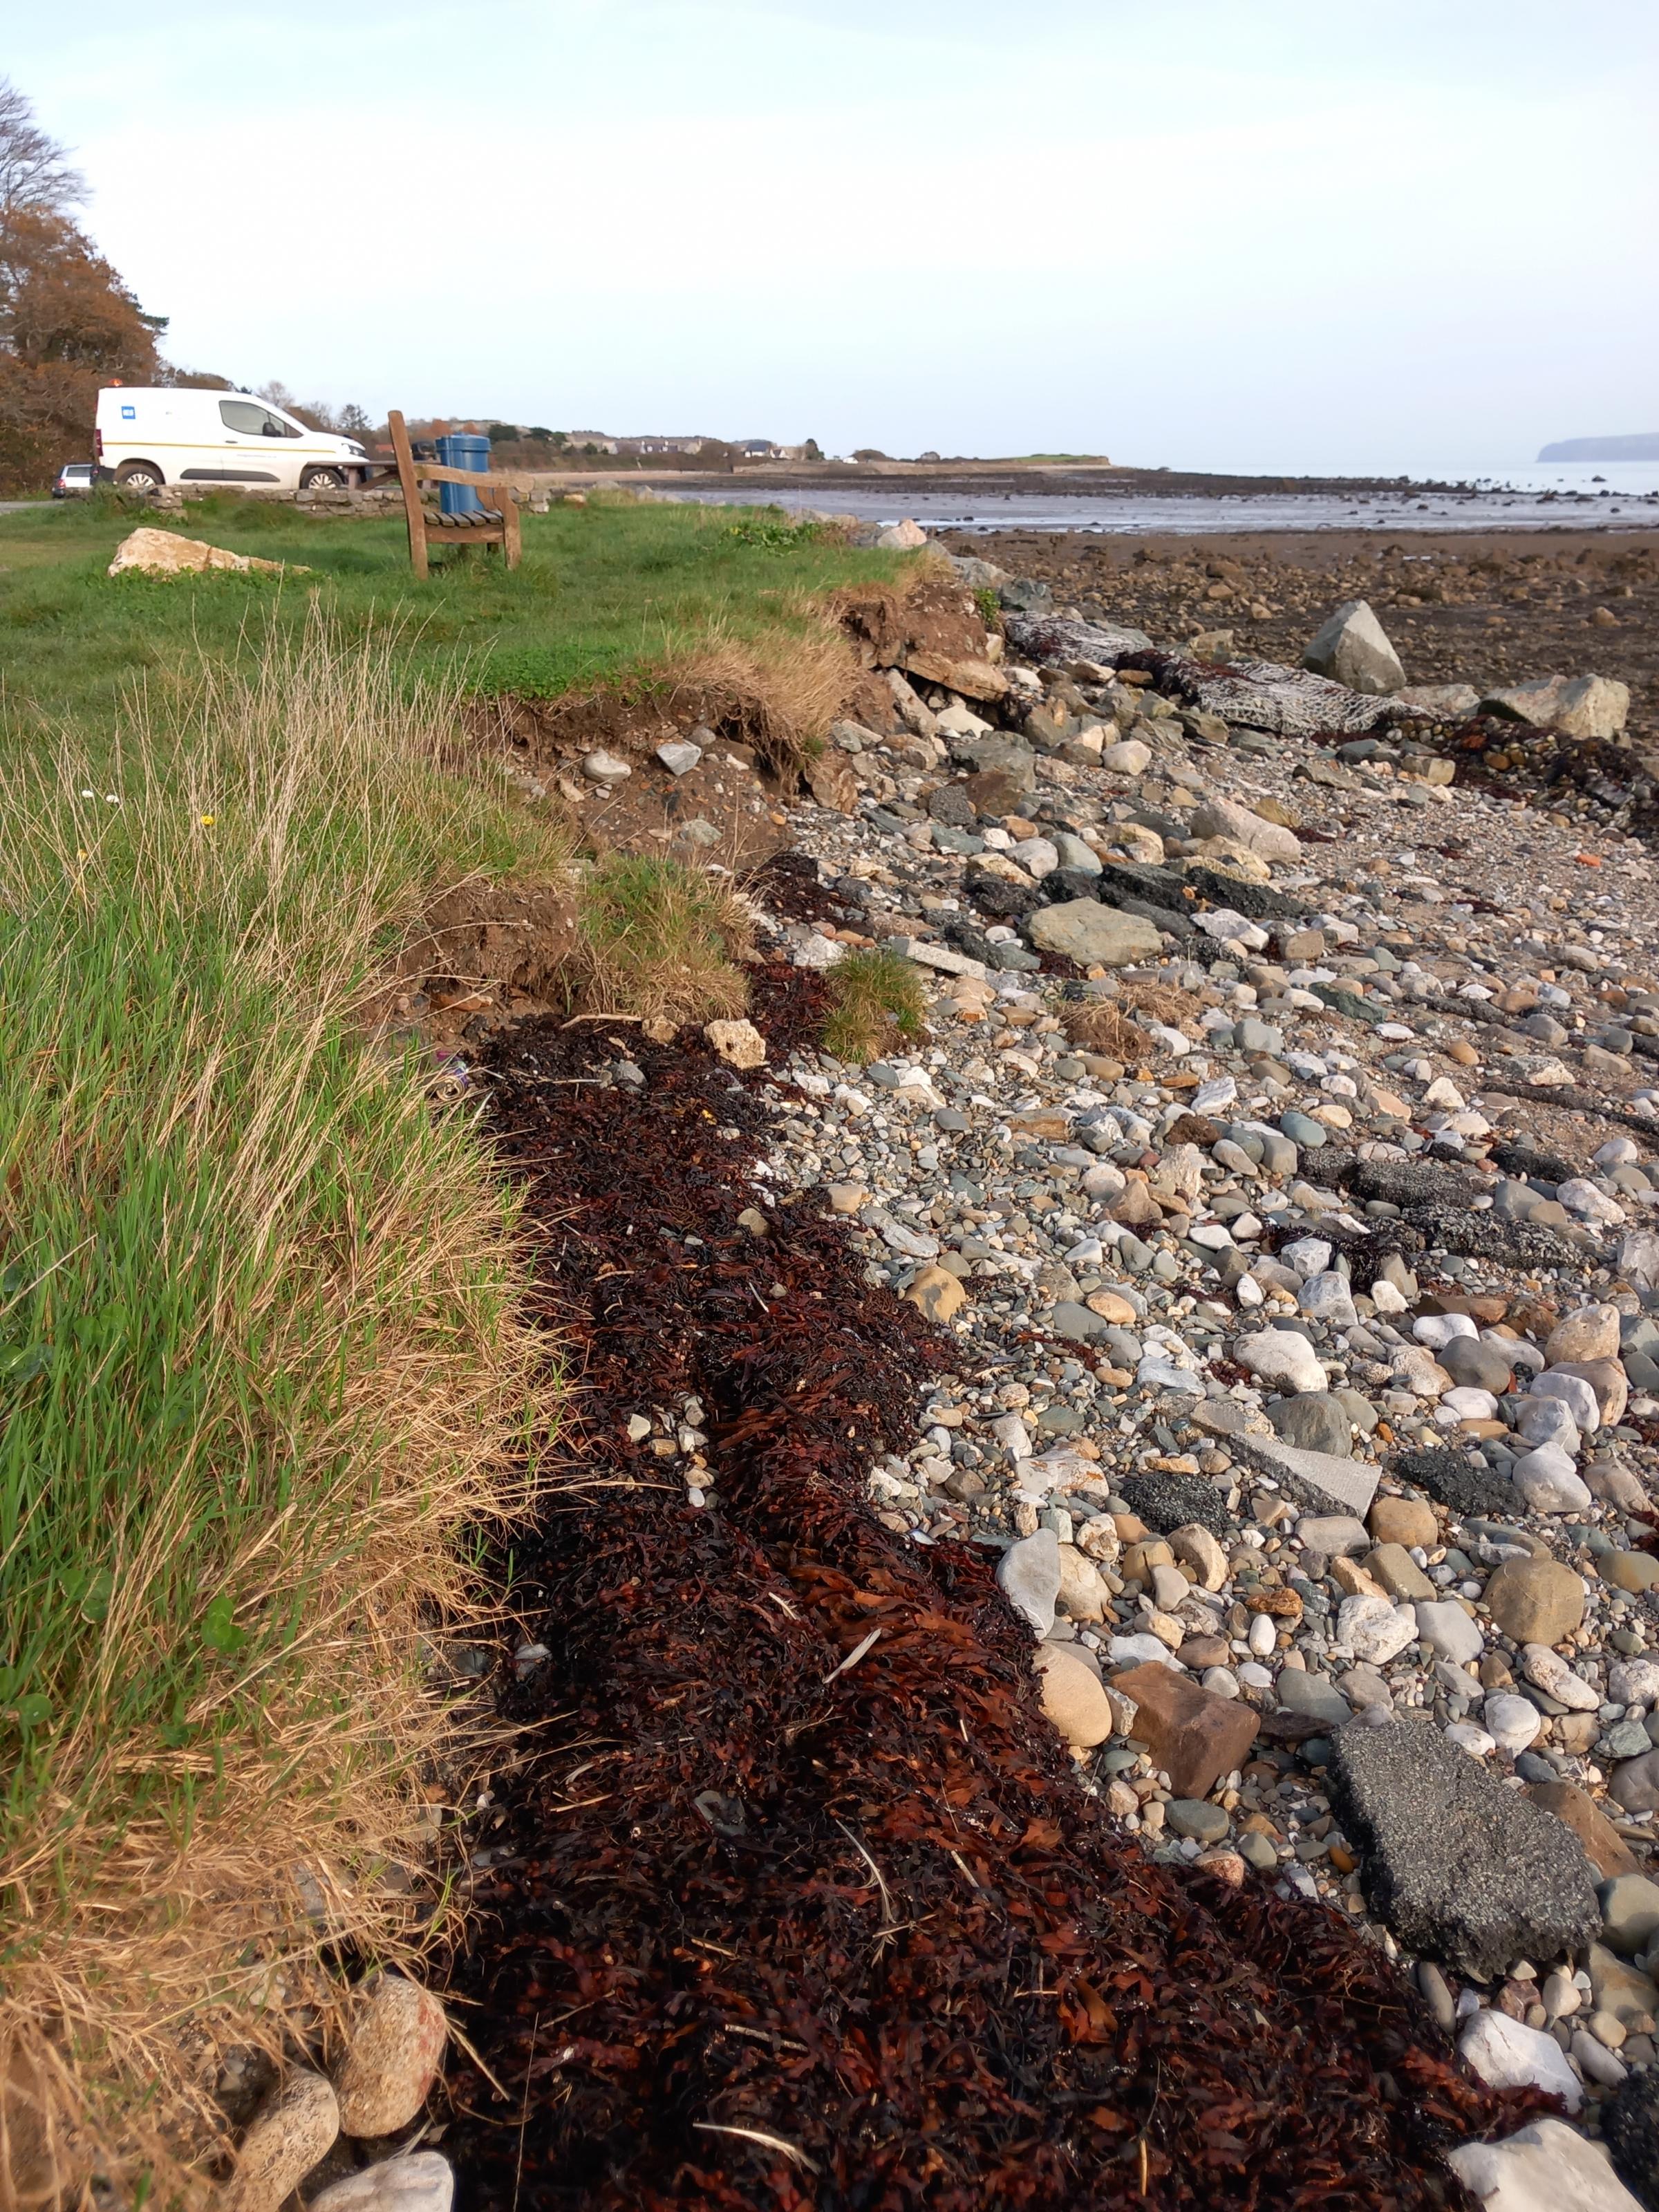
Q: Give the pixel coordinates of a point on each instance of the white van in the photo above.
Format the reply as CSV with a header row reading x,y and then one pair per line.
x,y
146,437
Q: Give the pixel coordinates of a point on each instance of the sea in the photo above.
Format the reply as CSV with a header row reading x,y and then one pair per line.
x,y
1541,496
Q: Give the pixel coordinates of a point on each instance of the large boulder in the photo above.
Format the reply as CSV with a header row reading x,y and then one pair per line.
x,y
1094,935
1353,648
1289,702
164,553
1577,706
1457,1866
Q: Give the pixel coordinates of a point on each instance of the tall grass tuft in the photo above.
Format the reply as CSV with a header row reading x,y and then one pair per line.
x,y
259,1363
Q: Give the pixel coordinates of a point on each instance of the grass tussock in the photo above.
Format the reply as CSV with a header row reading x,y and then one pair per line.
x,y
259,1365
1101,1025
784,689
659,941
876,1002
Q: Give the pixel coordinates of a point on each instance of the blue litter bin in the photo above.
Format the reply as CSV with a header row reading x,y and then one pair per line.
x,y
462,449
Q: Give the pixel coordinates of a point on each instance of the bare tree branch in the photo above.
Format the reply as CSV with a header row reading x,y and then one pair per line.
x,y
36,177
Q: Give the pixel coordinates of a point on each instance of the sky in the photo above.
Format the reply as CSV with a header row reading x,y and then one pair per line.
x,y
1290,235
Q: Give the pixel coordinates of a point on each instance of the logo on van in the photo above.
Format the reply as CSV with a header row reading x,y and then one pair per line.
x,y
129,414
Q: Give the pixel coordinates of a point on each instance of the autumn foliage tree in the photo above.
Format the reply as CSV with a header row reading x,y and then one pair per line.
x,y
67,324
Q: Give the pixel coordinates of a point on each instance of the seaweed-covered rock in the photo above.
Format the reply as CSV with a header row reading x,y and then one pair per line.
x,y
1455,1865
1173,1501
1467,1487
1630,2127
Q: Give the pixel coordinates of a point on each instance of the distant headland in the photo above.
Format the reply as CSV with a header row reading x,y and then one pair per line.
x,y
1641,445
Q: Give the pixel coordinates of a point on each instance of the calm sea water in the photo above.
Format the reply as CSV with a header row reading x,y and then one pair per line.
x,y
1542,496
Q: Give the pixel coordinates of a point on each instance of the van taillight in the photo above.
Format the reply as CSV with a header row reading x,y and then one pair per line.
x,y
98,445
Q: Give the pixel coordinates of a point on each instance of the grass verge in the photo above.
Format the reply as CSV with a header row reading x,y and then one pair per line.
x,y
260,1363
606,595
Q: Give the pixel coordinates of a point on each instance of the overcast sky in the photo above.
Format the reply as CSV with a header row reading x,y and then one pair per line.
x,y
1289,234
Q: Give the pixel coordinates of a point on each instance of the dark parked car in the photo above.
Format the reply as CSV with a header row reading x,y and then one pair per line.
x,y
75,480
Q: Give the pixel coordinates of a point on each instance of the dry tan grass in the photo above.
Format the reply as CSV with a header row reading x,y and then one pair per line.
x,y
333,1268
784,689
1101,1025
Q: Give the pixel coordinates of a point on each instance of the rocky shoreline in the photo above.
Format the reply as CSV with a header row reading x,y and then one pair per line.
x,y
1298,1243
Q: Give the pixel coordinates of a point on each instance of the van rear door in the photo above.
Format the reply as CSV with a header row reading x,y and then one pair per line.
x,y
258,445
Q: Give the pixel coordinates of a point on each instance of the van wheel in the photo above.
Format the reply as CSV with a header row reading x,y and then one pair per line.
x,y
139,475
322,480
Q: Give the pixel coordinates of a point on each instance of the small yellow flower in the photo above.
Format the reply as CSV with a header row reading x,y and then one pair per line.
x,y
207,821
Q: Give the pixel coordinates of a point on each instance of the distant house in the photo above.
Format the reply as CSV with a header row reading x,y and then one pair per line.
x,y
647,445
756,449
596,439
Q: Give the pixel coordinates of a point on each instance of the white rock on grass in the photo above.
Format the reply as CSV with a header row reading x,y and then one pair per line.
x,y
421,2181
1508,2055
1547,2167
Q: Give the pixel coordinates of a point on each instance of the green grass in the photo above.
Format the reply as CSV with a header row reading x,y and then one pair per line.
x,y
876,1001
260,1352
606,593
260,1357
659,941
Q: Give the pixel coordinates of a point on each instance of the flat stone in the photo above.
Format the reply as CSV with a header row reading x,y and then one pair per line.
x,y
1547,2167
1281,1356
1635,1784
1404,1520
936,1292
420,2181
1393,1566
1457,1865
1193,1735
1511,2055
1446,1628
1335,1536
1197,1817
1300,1690
1028,1575
296,2126
1535,1600
1630,1912
1348,1483
1620,1989
1094,935
1314,1422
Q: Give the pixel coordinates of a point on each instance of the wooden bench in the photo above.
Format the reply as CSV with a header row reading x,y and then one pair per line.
x,y
497,525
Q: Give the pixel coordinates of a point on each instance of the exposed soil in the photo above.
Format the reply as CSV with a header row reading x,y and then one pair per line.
x,y
789,1895
1481,610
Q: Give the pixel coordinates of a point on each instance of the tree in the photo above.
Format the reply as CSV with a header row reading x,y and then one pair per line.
x,y
503,434
35,176
541,437
68,326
